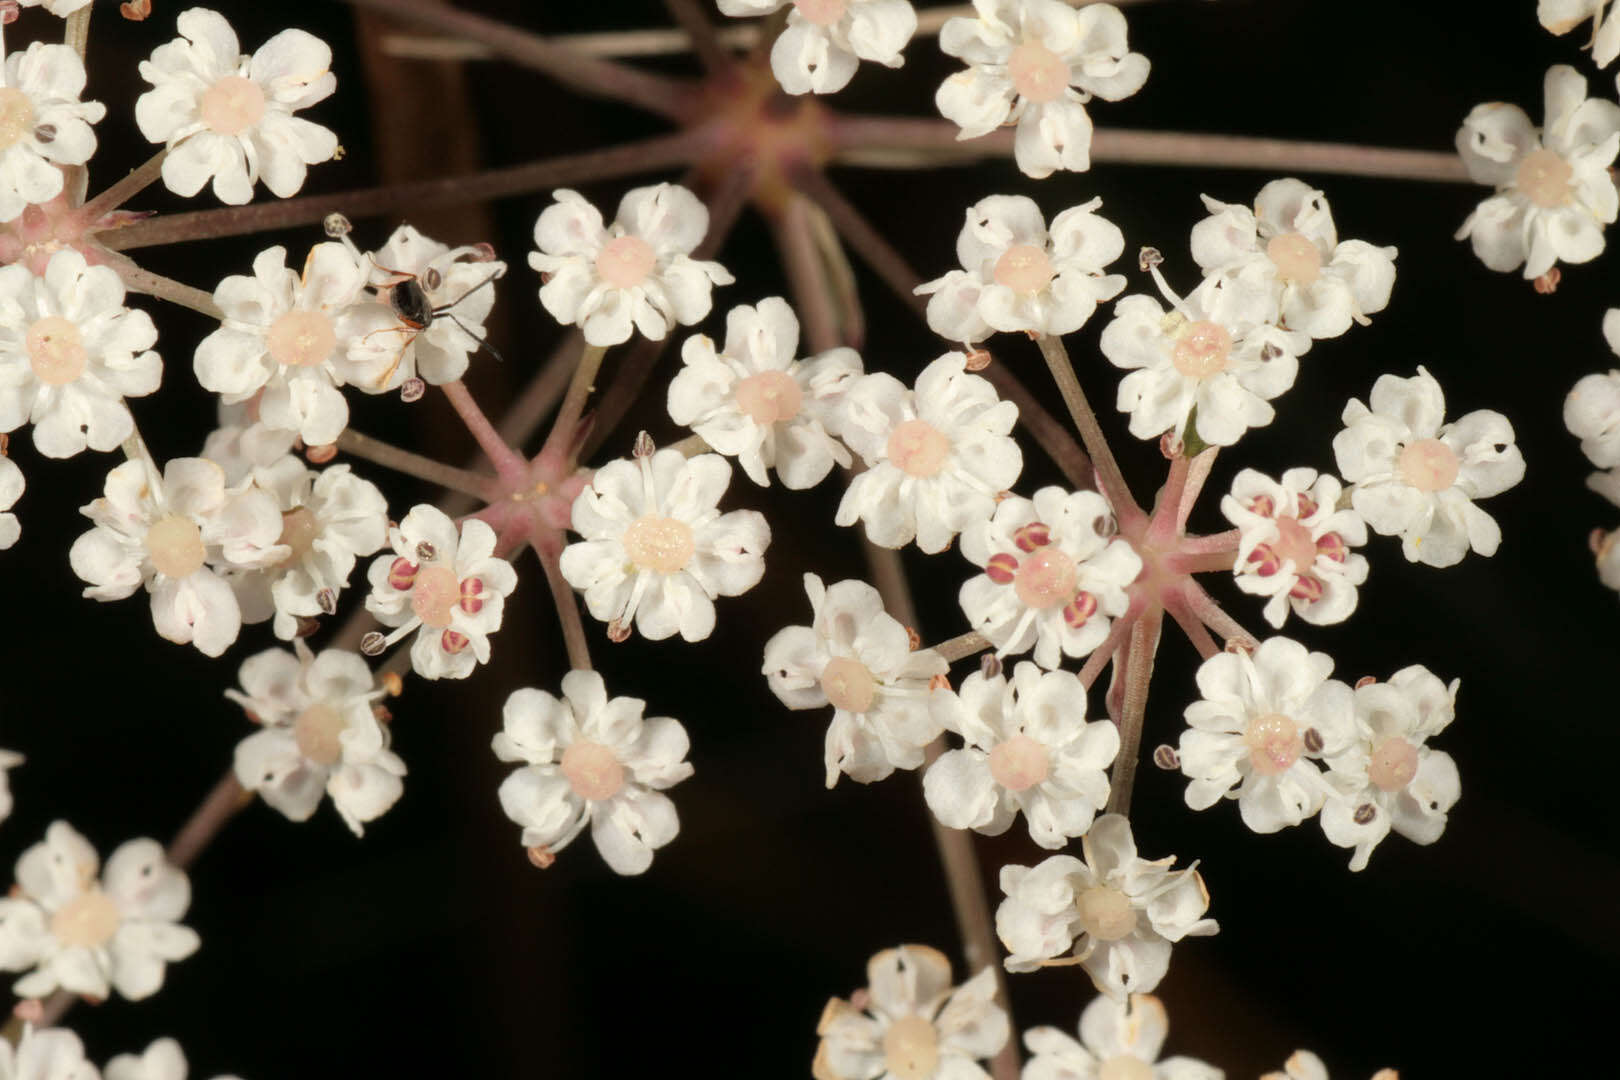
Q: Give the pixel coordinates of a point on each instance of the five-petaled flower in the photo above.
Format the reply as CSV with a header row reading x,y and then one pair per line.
x,y
43,124
1295,544
824,41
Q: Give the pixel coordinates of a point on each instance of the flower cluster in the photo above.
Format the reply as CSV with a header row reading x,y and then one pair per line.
x,y
825,40
1592,414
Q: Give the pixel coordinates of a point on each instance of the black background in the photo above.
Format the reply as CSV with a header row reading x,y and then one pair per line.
x,y
432,945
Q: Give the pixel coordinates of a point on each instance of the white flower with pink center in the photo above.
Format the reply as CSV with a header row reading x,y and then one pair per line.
x,y
1054,575
1592,409
1562,16
177,535
1119,1039
43,124
289,340
1119,913
1017,275
11,489
755,402
49,1054
1295,545
8,760
910,1023
591,760
70,352
458,284
1389,778
76,928
637,273
317,733
229,117
1416,477
450,587
1262,723
1554,192
937,456
1304,1065
825,40
1286,255
656,549
1036,63
1027,747
857,658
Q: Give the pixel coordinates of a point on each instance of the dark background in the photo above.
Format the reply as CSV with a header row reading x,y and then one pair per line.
x,y
433,945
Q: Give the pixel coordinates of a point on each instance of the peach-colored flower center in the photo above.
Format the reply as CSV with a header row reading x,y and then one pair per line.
x,y
911,1049
660,544
1045,578
1294,542
232,105
1024,268
176,548
1037,73
87,921
1544,179
1106,914
1428,465
769,397
821,12
1394,763
1274,743
56,351
592,770
917,448
1202,349
16,116
1019,763
301,339
625,262
1295,258
318,732
434,594
1125,1067
848,684
299,528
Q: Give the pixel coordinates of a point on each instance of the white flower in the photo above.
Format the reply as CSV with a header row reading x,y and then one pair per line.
x,y
1295,545
91,936
1261,720
911,1024
1304,1065
293,339
1287,253
1119,1040
453,587
1128,910
173,535
51,1054
43,124
63,8
243,442
657,550
1562,16
1389,778
825,40
1052,575
318,733
1554,192
591,760
1018,276
9,759
458,285
70,352
1028,747
858,658
1606,546
11,489
328,518
937,456
228,116
1416,478
638,271
756,403
1592,409
163,1060
1036,63
1188,362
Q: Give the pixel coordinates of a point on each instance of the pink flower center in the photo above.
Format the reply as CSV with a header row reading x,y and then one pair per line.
x,y
848,684
1394,763
1106,914
917,448
769,397
1274,743
56,352
592,770
1019,763
1294,542
175,546
301,339
1544,179
299,528
16,116
1045,579
1037,73
232,105
434,594
625,262
660,544
1202,349
911,1049
318,732
87,921
1428,465
1295,258
821,12
1125,1067
1024,268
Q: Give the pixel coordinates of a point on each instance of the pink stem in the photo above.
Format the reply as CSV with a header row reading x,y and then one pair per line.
x,y
1109,477
1208,562
691,18
508,462
806,277
562,595
1138,673
1196,476
1222,541
1165,525
1203,607
1190,626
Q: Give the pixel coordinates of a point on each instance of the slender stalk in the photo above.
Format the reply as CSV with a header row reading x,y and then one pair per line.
x,y
700,34
562,595
122,191
141,280
1167,503
648,155
566,427
1109,478
962,646
692,446
817,312
1221,541
1137,674
508,462
1208,562
1196,477
412,464
1190,626
76,31
1118,634
1204,608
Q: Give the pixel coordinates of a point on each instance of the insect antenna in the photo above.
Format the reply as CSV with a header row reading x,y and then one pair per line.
x,y
444,309
481,341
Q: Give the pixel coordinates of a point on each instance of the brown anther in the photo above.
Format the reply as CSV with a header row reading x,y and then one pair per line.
x,y
327,599
914,638
14,892
1365,813
1365,680
1166,758
483,251
29,1010
644,445
939,682
1170,445
1003,496
432,279
336,226
320,455
1595,540
393,685
45,133
859,999
1240,646
1313,740
618,631
990,665
381,714
426,552
977,360
135,10
1547,283
1268,351
5,444
373,643
1148,258
1105,525
91,999
411,390
9,10
253,717
306,626
541,857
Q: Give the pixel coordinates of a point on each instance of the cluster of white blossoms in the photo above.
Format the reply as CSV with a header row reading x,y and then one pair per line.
x,y
57,1054
825,40
1592,414
8,760
43,124
11,489
74,926
1562,16
1304,1065
1294,544
1120,1039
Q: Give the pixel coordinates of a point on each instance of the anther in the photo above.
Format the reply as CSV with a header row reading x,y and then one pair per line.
x,y
1034,535
327,599
373,643
320,455
393,685
644,445
1077,611
1170,445
977,360
425,551
402,574
432,279
452,642
1105,525
45,133
990,665
412,389
337,226
618,631
1308,588
541,857
1365,680
1313,741
1149,257
913,639
1547,283
1269,352
1365,813
1166,758
1307,506
1332,546
305,626
939,682
1002,568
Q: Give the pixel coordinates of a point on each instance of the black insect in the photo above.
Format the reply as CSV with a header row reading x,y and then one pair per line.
x,y
408,298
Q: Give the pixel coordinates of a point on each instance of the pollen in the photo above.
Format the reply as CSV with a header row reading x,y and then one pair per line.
x,y
660,544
